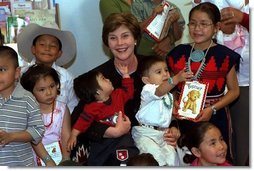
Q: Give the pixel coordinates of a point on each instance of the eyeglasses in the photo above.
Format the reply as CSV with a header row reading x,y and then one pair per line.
x,y
193,25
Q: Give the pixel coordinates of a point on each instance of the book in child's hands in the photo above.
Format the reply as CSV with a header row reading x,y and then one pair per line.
x,y
192,99
55,152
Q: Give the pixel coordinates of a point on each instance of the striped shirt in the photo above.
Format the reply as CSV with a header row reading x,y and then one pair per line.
x,y
19,113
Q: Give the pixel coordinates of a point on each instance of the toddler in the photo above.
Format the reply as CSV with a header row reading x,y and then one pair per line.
x,y
43,81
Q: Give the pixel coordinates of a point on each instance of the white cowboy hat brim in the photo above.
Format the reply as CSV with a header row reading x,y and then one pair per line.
x,y
29,33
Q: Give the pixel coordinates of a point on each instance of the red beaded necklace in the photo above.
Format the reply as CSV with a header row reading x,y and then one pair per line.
x,y
52,118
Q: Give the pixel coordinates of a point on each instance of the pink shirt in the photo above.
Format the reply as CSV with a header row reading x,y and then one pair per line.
x,y
195,163
53,132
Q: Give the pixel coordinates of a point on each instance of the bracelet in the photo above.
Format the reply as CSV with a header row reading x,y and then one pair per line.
x,y
214,109
46,159
170,81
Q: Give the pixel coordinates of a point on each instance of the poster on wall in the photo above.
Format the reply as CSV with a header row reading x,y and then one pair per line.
x,y
17,14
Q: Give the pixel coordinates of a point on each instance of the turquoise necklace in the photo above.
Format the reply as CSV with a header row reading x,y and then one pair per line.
x,y
169,106
197,56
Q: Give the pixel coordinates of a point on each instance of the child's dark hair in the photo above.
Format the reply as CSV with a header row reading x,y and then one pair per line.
x,y
58,40
194,137
210,9
6,51
146,63
144,159
86,86
36,72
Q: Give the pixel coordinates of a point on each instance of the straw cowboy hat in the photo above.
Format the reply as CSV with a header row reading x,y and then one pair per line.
x,y
29,33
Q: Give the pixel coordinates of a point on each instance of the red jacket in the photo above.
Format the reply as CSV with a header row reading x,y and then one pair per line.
x,y
99,111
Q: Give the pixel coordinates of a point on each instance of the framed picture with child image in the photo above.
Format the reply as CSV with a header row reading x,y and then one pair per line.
x,y
192,99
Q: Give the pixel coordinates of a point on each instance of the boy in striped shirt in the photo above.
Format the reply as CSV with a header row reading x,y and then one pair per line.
x,y
20,118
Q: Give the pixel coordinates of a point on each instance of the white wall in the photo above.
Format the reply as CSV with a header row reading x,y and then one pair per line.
x,y
82,18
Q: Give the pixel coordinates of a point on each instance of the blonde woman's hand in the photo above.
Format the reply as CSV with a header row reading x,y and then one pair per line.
x,y
123,126
123,123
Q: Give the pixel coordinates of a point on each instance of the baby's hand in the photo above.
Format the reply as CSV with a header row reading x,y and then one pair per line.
x,y
72,142
183,75
123,69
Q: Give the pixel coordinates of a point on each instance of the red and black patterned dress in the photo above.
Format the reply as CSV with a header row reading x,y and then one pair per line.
x,y
219,61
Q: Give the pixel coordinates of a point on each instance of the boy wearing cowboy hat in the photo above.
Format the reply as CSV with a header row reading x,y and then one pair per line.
x,y
53,47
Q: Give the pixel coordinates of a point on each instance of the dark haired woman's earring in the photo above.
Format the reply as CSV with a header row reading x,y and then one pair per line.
x,y
135,43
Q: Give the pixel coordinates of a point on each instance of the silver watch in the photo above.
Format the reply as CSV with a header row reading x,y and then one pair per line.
x,y
214,109
46,159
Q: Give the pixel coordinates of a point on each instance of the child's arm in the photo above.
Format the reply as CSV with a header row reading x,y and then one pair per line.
x,y
127,84
42,153
168,85
72,141
35,126
66,132
8,137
